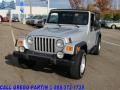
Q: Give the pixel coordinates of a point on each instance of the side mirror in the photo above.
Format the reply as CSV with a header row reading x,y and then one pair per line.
x,y
44,20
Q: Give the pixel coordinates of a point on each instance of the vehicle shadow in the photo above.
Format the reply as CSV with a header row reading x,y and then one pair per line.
x,y
43,67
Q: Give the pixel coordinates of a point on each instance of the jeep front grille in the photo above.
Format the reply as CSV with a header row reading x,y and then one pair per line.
x,y
44,44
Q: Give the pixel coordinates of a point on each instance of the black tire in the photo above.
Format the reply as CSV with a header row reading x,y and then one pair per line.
x,y
97,47
113,27
26,63
75,69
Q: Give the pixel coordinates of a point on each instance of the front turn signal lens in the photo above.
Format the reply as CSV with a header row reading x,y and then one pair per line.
x,y
69,48
19,43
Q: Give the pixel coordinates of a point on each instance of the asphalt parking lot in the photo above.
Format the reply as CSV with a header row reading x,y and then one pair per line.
x,y
102,73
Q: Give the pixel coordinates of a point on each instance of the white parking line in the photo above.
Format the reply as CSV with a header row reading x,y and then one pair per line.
x,y
13,36
110,43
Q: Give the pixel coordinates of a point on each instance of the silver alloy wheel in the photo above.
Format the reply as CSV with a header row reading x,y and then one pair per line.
x,y
99,46
82,66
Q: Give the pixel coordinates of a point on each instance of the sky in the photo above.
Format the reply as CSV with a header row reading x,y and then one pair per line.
x,y
53,3
60,3
6,0
65,3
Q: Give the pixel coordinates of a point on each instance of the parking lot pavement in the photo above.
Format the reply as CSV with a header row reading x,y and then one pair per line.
x,y
102,71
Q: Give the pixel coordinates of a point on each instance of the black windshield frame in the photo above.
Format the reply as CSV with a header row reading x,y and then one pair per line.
x,y
82,18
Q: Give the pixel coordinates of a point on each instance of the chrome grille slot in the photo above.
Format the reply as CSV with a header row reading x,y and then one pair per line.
x,y
38,43
35,43
53,45
44,44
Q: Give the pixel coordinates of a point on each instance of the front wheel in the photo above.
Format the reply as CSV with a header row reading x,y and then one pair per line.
x,y
77,69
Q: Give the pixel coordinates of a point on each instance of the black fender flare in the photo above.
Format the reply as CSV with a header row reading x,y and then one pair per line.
x,y
79,46
98,36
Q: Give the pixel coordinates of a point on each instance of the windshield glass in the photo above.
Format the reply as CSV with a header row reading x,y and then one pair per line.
x,y
78,18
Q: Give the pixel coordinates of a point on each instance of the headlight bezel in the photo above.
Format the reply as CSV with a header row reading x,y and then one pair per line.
x,y
60,43
30,40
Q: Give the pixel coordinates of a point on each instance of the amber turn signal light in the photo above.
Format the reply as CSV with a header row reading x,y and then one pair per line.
x,y
69,48
19,43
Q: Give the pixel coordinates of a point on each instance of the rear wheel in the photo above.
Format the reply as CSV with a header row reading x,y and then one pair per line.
x,y
77,69
113,27
97,47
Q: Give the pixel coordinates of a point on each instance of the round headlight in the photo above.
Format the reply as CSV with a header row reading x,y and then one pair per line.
x,y
60,43
30,40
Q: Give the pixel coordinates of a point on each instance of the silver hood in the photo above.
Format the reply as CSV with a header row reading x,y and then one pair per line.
x,y
60,32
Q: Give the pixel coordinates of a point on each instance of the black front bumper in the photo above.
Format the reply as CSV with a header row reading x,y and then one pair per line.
x,y
52,58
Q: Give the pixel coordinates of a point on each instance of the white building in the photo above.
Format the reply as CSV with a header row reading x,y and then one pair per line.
x,y
38,7
35,11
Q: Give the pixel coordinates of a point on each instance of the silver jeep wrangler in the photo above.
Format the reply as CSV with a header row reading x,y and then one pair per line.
x,y
66,38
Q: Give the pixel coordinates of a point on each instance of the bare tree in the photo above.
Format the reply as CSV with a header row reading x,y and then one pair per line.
x,y
76,4
92,7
